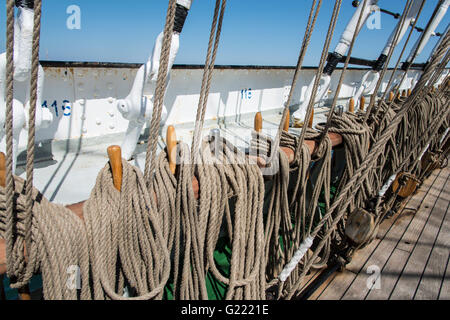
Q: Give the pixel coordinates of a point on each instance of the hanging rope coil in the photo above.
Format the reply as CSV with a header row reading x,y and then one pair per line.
x,y
58,241
230,208
121,243
125,237
292,205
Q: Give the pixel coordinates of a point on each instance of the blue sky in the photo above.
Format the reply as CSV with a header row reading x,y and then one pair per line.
x,y
257,32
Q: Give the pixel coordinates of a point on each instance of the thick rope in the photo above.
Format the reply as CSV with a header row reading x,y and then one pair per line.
x,y
230,209
10,227
389,55
32,127
354,183
120,245
313,14
214,39
160,91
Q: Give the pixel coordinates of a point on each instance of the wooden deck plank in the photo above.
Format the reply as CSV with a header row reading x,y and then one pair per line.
x,y
409,279
378,258
399,257
444,293
359,288
324,285
388,276
336,288
432,277
410,238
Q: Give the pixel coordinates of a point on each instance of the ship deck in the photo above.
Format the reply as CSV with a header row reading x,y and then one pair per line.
x,y
411,250
409,259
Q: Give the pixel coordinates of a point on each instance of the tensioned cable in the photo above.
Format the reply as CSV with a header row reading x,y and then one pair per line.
x,y
355,181
216,29
313,14
390,53
160,91
383,97
32,128
9,232
319,72
341,79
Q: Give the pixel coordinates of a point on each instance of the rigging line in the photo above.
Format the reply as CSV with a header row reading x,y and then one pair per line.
x,y
383,97
355,181
9,232
32,128
388,59
160,91
325,50
431,129
311,208
341,80
306,40
330,32
207,75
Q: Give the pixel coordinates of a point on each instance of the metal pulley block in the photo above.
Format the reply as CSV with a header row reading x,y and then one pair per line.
x,y
360,227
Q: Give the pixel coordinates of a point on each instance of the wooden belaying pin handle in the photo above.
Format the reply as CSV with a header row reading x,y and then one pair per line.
x,y
171,141
2,169
286,122
115,160
391,96
409,92
362,103
24,292
311,119
258,122
351,105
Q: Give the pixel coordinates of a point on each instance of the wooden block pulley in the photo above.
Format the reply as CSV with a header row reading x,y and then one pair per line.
x,y
360,227
405,184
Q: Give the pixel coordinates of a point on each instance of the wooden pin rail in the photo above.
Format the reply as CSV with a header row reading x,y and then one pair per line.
x,y
114,154
115,160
